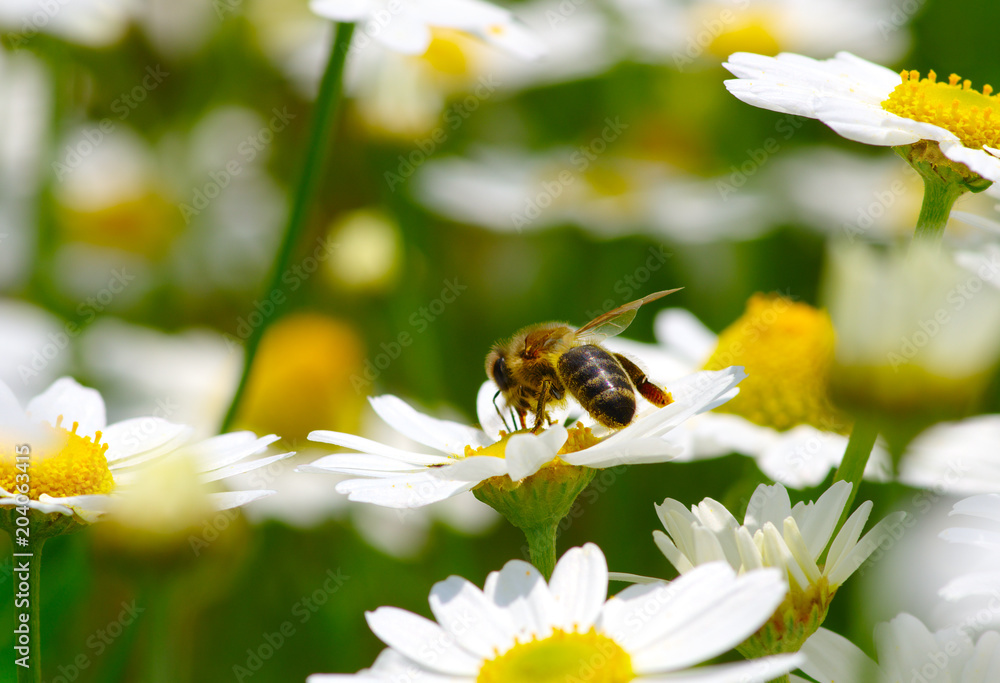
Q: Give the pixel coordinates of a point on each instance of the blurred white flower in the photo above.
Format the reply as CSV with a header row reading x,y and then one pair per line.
x,y
907,651
77,471
519,628
783,417
702,32
36,348
855,197
609,196
24,116
869,103
187,377
93,23
983,584
916,334
958,458
406,26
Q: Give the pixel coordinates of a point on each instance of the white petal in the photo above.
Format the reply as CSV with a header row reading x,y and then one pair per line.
x,y
227,500
832,658
443,435
975,583
755,671
469,615
243,467
526,453
579,585
682,332
421,640
521,591
978,160
818,525
375,448
674,556
981,538
473,469
411,491
767,504
342,10
986,506
74,402
698,615
846,566
139,439
407,36
228,449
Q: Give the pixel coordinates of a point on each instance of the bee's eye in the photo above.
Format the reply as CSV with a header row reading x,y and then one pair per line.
x,y
500,375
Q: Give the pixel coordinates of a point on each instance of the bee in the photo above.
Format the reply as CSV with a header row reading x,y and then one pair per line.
x,y
541,364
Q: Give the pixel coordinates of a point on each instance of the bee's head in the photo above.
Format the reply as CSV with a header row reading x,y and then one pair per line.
x,y
496,369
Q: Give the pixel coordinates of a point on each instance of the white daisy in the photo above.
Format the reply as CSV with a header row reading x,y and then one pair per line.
x,y
955,457
518,629
776,534
466,457
406,26
907,651
916,334
869,103
701,32
94,23
783,417
77,462
508,191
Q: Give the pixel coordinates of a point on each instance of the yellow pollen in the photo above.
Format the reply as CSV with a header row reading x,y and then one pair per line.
x,y
448,52
971,115
580,437
561,657
66,465
787,348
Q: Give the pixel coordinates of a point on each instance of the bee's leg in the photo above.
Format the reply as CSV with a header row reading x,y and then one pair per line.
x,y
543,398
649,391
500,414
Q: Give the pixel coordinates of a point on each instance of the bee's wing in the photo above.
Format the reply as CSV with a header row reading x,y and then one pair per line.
x,y
615,321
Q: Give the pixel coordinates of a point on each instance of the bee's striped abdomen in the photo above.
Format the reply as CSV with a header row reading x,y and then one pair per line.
x,y
598,382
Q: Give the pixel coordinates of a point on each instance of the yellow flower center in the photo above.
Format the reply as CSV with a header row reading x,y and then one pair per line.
x,y
562,656
580,437
955,106
66,465
448,52
787,348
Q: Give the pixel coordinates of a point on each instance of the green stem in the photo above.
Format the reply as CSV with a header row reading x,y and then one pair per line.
x,y
161,662
320,139
33,672
939,198
852,467
542,547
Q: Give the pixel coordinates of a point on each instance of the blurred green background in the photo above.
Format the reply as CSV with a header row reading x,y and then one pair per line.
x,y
230,67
